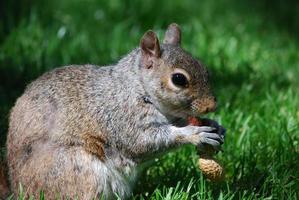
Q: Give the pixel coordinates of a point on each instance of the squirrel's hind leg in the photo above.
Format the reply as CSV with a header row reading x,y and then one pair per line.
x,y
70,172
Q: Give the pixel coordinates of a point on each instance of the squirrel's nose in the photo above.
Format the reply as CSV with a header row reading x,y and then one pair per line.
x,y
205,105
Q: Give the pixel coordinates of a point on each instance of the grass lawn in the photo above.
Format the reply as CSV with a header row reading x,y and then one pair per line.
x,y
250,47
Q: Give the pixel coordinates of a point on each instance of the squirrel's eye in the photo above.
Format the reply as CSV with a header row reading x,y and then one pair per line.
x,y
179,80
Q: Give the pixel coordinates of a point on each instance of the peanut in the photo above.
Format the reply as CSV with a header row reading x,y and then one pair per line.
x,y
209,166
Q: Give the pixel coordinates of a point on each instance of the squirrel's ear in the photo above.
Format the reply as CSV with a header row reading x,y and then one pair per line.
x,y
150,44
150,48
173,35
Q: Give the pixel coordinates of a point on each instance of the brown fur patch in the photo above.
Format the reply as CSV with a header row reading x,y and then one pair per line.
x,y
94,144
181,139
165,80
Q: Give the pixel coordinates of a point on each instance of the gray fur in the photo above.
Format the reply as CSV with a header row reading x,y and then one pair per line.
x,y
66,115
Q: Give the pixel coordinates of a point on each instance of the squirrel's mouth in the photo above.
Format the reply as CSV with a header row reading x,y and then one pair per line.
x,y
190,120
183,119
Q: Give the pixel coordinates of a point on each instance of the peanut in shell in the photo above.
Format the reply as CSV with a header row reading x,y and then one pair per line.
x,y
209,166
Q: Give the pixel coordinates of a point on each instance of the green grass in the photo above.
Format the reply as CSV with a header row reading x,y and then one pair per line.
x,y
251,49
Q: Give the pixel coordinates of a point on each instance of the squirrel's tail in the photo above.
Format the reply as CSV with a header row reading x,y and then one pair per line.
x,y
4,185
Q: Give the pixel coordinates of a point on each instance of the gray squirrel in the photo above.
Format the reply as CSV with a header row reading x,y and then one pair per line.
x,y
84,131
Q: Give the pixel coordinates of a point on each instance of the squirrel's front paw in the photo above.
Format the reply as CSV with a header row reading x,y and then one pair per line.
x,y
220,130
205,135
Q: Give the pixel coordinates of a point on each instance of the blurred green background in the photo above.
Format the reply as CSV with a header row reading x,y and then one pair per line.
x,y
250,47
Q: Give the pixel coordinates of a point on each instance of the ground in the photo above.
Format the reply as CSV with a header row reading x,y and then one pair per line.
x,y
251,49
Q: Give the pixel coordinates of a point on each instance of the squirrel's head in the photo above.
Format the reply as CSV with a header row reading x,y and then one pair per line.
x,y
176,82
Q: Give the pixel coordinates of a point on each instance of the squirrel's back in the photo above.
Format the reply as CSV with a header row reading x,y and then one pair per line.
x,y
59,115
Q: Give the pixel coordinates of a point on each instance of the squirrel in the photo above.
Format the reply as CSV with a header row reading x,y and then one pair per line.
x,y
85,131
